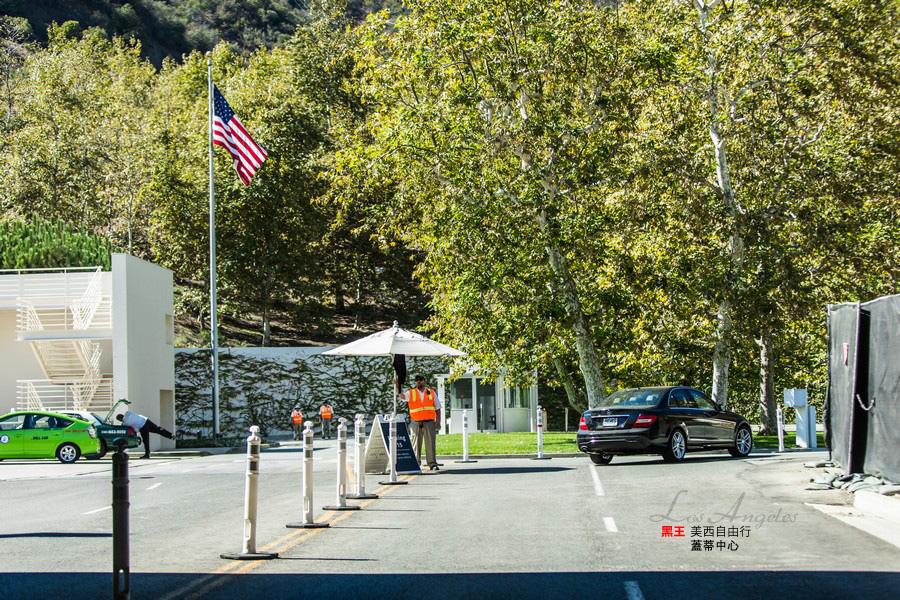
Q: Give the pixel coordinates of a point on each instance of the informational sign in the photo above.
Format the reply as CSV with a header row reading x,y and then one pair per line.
x,y
378,449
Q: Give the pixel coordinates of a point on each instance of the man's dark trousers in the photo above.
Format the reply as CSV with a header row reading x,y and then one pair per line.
x,y
151,427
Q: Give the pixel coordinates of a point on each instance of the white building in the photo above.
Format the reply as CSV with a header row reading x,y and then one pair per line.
x,y
492,406
80,338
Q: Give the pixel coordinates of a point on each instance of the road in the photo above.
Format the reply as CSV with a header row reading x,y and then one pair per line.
x,y
506,528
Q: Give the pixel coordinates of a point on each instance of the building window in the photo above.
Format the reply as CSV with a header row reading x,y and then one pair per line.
x,y
170,330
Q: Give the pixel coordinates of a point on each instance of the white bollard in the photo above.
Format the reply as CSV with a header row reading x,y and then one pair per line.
x,y
359,460
465,438
307,522
540,435
392,478
779,417
251,493
341,502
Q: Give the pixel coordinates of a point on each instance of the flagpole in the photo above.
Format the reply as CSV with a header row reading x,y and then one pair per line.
x,y
213,324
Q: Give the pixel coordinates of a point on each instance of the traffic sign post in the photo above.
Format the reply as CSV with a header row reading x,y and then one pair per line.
x,y
307,522
465,438
251,493
341,503
120,508
540,435
359,460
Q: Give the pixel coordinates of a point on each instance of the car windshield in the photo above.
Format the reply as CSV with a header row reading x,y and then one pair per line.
x,y
639,398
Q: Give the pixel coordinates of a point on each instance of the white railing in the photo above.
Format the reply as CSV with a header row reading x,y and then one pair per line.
x,y
58,313
57,299
84,394
18,283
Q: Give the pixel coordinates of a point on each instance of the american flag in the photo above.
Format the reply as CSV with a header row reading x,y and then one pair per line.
x,y
229,133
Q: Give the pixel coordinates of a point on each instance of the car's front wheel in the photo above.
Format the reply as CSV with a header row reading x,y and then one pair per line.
x,y
743,442
601,459
675,447
68,453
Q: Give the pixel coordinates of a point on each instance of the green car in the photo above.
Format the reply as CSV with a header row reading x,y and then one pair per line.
x,y
110,435
38,434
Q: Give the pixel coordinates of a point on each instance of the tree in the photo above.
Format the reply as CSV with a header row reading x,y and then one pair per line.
x,y
495,128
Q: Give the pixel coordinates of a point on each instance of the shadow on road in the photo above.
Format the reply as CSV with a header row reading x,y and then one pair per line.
x,y
505,470
669,585
55,534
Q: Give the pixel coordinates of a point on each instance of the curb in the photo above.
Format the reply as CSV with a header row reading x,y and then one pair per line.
x,y
211,451
533,454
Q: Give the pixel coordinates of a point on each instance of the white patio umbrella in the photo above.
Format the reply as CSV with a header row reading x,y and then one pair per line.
x,y
389,343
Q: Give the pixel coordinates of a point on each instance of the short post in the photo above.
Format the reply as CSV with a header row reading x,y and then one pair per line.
x,y
120,507
251,493
341,502
359,460
392,478
779,418
307,522
540,435
567,419
813,435
465,438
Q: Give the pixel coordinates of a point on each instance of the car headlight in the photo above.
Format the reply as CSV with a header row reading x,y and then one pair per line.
x,y
92,431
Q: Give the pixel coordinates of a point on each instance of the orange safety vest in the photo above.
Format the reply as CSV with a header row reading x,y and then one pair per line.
x,y
325,412
421,409
297,417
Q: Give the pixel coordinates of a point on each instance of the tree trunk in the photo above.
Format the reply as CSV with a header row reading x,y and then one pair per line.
x,y
266,326
584,345
722,351
574,395
339,304
767,410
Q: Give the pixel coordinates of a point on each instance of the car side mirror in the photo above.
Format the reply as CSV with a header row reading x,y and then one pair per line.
x,y
719,407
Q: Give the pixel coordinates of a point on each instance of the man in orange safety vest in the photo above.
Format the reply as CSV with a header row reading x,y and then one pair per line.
x,y
425,412
297,422
325,413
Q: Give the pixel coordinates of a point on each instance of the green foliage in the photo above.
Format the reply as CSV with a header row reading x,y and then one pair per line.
x,y
41,244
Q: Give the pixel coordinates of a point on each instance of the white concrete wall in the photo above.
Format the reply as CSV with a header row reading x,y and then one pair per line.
x,y
18,361
143,361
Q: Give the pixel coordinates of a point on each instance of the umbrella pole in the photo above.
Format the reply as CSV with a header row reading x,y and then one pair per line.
x,y
392,478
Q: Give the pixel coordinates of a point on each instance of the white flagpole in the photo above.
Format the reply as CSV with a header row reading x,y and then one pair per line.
x,y
214,330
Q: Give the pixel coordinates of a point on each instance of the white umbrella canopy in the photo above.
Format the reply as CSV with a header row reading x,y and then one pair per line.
x,y
394,341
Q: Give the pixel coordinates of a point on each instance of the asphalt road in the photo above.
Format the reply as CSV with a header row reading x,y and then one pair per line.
x,y
503,528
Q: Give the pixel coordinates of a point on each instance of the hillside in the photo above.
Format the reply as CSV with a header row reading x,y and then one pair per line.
x,y
171,28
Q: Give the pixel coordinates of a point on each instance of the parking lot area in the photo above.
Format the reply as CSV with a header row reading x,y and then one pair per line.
x,y
638,528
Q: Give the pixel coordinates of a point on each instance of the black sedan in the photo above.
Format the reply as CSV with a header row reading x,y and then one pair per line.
x,y
661,420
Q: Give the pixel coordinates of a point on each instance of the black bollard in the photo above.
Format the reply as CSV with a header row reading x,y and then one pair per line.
x,y
120,506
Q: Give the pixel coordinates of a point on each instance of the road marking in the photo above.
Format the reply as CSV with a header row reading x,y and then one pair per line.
x,y
154,486
215,579
610,525
90,512
598,487
633,590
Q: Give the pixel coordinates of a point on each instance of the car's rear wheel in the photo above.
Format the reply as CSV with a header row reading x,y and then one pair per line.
x,y
601,459
743,442
675,447
68,453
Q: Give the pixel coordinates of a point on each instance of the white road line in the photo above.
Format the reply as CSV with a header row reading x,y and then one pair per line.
x,y
154,486
610,525
90,512
598,487
633,590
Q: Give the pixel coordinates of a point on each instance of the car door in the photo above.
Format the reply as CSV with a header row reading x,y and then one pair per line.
x,y
11,435
681,406
37,434
719,428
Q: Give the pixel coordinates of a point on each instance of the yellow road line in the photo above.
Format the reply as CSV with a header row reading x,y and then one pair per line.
x,y
283,544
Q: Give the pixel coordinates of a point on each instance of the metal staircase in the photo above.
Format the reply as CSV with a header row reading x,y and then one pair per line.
x,y
64,320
